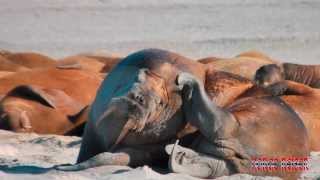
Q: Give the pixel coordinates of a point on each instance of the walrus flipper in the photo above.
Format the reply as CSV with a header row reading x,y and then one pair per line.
x,y
186,161
278,89
102,159
200,111
289,88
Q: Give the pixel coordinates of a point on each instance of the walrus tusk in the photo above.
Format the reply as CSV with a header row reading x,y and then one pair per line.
x,y
126,128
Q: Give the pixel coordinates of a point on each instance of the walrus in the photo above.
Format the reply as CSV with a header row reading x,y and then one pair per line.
x,y
137,111
51,100
231,137
298,85
97,64
224,88
244,64
29,108
78,84
5,73
30,60
273,73
6,65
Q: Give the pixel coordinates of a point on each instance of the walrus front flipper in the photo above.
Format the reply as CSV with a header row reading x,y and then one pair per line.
x,y
201,112
289,88
102,159
277,89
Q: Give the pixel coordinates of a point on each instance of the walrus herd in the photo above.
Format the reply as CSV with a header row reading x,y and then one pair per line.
x,y
206,118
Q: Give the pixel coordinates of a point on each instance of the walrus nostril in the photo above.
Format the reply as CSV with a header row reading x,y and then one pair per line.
x,y
140,99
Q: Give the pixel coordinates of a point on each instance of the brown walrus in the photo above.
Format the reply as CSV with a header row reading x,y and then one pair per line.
x,y
82,62
305,74
93,63
44,111
244,64
77,83
47,100
30,60
139,109
225,88
303,98
6,65
231,137
5,73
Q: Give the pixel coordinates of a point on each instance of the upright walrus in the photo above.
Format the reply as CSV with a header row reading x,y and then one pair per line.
x,y
137,111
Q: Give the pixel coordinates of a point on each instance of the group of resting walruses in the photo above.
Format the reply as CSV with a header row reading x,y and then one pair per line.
x,y
205,118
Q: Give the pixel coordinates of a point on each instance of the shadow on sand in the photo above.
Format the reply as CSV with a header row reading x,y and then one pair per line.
x,y
24,169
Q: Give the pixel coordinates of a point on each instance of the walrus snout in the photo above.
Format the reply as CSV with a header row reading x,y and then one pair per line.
x,y
136,112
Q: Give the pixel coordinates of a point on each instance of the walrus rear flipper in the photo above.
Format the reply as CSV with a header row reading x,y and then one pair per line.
x,y
102,159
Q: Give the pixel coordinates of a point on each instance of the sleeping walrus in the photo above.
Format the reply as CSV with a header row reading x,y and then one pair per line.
x,y
46,101
244,64
8,66
140,108
94,63
30,60
29,108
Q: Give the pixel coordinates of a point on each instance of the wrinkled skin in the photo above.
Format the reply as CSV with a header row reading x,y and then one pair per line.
x,y
244,64
230,137
137,111
273,73
225,88
30,60
47,101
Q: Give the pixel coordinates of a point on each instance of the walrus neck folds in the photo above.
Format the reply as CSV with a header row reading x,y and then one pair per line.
x,y
299,73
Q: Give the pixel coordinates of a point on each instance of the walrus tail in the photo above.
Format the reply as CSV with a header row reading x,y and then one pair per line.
x,y
102,159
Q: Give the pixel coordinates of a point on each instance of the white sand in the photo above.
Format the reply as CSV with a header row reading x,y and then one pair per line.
x,y
26,156
286,29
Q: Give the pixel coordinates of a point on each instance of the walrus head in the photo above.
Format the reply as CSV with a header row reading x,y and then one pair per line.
x,y
268,74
